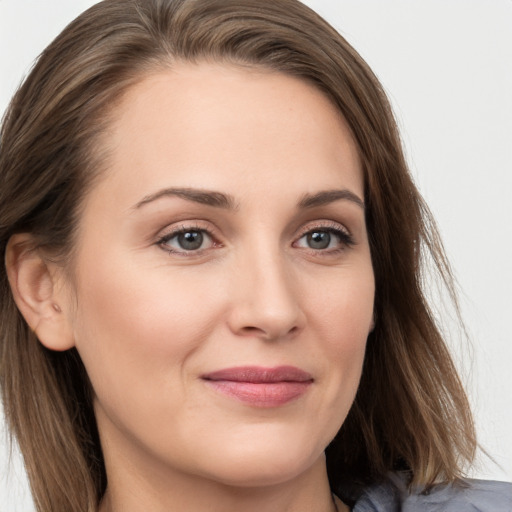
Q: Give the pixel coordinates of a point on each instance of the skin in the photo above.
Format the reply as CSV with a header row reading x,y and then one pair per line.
x,y
150,318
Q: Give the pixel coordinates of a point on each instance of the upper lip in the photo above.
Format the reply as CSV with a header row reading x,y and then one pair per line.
x,y
260,374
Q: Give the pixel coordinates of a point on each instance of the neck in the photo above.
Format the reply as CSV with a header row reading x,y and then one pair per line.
x,y
130,491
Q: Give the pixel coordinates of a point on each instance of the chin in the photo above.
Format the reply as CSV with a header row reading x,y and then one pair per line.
x,y
264,463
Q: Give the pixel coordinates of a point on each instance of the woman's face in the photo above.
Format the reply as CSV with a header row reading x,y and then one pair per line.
x,y
223,278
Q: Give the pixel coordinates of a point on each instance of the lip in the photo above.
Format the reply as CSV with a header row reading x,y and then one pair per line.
x,y
260,386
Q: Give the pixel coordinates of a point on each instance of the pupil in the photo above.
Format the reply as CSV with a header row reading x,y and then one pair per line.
x,y
319,240
190,240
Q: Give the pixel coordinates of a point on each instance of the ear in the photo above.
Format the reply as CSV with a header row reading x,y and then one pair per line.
x,y
372,325
35,287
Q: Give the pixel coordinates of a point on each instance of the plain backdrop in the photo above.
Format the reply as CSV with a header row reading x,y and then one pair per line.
x,y
447,67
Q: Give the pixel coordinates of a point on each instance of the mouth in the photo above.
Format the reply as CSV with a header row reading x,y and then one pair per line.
x,y
259,386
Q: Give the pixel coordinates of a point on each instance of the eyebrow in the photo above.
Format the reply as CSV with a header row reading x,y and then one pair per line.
x,y
207,197
225,201
329,196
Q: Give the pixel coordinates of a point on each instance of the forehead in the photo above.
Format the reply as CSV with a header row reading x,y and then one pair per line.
x,y
211,125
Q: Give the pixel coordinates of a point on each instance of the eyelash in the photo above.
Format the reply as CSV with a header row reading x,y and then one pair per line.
x,y
345,239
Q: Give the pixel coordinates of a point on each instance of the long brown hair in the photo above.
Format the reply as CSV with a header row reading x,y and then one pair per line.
x,y
410,411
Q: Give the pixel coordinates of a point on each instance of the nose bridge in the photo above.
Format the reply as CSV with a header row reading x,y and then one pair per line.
x,y
266,302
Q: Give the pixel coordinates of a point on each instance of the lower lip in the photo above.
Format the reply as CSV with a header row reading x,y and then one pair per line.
x,y
261,394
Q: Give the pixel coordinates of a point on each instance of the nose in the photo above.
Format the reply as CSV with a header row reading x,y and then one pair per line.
x,y
266,301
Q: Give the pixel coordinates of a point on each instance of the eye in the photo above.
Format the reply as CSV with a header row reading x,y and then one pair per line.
x,y
325,239
187,240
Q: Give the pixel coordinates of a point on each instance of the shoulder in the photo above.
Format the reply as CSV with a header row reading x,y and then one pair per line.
x,y
468,495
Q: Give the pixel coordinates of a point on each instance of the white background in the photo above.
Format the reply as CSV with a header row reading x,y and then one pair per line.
x,y
447,66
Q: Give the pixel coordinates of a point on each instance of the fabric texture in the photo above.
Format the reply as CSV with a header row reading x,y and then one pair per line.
x,y
393,495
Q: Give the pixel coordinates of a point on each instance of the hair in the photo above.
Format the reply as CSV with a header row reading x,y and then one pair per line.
x,y
410,411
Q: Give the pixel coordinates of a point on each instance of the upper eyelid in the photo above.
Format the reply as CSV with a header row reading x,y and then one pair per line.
x,y
184,226
172,234
323,224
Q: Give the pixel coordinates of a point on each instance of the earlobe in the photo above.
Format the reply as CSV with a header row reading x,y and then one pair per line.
x,y
40,301
372,325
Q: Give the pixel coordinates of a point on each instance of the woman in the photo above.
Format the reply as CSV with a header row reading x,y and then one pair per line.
x,y
213,274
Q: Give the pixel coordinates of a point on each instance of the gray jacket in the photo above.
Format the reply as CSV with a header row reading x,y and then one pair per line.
x,y
469,496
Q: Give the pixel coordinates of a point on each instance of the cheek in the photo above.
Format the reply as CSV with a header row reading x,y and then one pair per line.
x,y
343,317
343,309
131,321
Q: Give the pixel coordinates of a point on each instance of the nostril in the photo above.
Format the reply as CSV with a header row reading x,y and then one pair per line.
x,y
269,334
252,330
